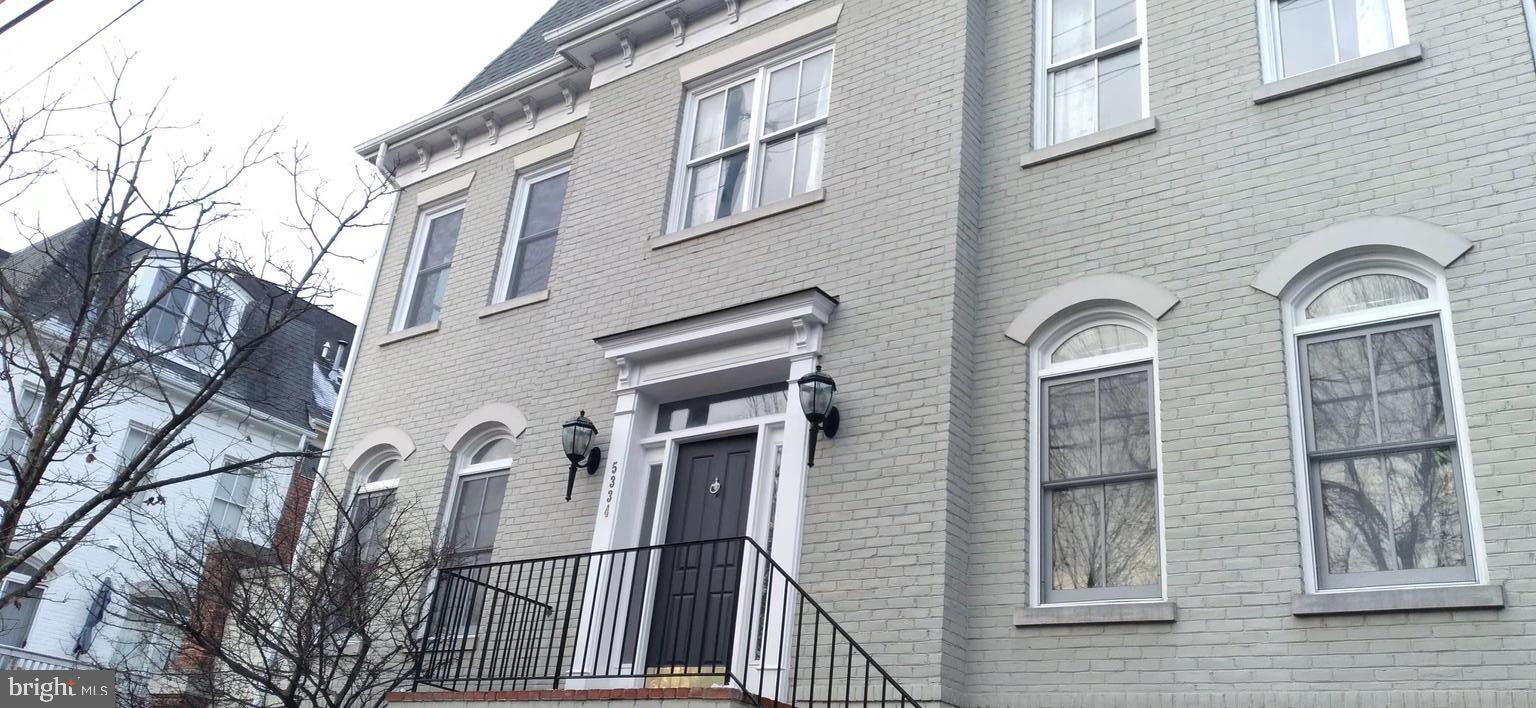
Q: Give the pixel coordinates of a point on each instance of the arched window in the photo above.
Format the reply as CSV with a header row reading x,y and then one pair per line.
x,y
479,487
1381,462
1096,463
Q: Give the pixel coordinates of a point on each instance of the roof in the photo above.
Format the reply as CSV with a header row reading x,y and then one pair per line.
x,y
277,381
530,49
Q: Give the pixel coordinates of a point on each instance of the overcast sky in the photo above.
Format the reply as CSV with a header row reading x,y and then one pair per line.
x,y
332,72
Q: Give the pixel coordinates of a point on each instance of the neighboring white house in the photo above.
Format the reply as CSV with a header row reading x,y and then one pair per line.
x,y
280,405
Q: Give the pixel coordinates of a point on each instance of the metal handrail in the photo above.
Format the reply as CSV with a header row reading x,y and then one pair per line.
x,y
686,614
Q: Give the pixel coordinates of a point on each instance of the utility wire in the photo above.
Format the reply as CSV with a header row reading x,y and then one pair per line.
x,y
24,15
77,47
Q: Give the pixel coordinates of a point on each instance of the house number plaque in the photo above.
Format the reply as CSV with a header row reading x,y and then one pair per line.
x,y
613,481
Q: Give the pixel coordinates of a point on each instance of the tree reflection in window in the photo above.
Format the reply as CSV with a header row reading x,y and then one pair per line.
x,y
1381,452
1099,486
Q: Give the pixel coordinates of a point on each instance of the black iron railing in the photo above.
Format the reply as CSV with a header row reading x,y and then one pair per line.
x,y
707,613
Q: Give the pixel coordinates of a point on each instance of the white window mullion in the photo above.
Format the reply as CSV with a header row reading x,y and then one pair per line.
x,y
1333,30
755,136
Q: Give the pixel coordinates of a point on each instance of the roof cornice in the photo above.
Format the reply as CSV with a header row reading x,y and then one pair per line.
x,y
553,69
609,19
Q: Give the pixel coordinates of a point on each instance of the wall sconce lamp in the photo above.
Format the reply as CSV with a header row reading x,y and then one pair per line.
x,y
816,393
577,435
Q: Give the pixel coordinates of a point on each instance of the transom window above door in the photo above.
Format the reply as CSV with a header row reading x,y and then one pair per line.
x,y
722,408
753,139
1306,35
1090,77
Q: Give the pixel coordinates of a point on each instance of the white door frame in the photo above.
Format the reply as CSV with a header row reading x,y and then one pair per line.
x,y
778,339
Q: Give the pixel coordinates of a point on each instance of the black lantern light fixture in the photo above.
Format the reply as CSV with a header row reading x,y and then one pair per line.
x,y
577,435
816,393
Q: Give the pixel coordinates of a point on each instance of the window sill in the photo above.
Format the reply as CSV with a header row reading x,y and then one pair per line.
x,y
762,212
1454,597
1343,71
497,308
1115,613
1089,142
409,333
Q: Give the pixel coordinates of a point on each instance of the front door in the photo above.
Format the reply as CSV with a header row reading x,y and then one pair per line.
x,y
694,617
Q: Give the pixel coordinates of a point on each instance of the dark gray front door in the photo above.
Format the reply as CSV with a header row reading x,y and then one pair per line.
x,y
696,588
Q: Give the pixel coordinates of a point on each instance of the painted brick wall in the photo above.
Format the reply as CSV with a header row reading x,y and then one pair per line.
x,y
934,238
1199,207
882,241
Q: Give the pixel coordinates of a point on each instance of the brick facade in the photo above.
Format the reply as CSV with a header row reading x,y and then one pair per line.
x,y
933,239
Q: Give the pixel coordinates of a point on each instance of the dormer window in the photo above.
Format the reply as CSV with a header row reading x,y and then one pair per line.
x,y
187,315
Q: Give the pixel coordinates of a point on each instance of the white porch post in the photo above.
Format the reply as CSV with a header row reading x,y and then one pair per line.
x,y
604,599
778,636
617,495
792,475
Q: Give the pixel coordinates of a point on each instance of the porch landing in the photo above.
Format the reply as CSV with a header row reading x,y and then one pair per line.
x,y
683,697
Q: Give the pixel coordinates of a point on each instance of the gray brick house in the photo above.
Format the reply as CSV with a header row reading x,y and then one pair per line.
x,y
1181,351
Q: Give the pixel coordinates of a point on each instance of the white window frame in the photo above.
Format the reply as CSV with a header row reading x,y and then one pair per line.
x,y
15,425
413,263
756,140
38,593
1272,64
1530,24
242,505
144,278
1295,328
125,453
1044,68
462,470
372,485
463,473
373,481
1041,370
513,238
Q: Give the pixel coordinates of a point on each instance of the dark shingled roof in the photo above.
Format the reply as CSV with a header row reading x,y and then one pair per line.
x,y
277,381
530,49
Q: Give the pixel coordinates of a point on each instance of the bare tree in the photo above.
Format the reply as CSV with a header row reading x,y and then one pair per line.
x,y
149,298
332,619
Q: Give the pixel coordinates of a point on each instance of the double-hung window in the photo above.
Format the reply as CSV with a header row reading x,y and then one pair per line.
x,y
362,543
16,616
426,273
1091,58
28,405
753,139
1097,468
1385,486
530,244
479,491
1305,35
133,443
231,495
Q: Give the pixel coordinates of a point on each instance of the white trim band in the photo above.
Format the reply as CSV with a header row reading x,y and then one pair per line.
x,y
446,189
1428,240
392,438
1151,298
761,44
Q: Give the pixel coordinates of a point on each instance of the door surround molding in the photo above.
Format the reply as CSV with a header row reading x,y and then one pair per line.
x,y
775,339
